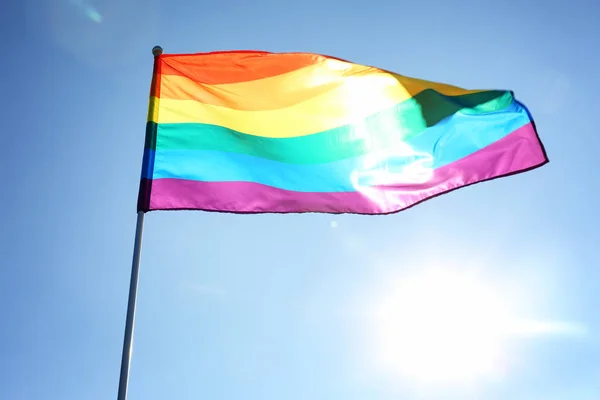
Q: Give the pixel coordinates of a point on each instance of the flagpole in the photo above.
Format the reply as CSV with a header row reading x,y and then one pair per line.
x,y
133,287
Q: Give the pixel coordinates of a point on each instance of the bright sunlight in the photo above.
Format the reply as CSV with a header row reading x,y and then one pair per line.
x,y
443,326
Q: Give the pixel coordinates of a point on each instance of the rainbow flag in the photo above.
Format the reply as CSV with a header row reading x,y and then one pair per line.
x,y
260,132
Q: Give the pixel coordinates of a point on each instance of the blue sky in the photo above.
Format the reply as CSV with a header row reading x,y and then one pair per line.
x,y
295,306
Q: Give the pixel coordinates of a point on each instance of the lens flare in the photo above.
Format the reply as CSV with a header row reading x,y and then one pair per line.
x,y
88,10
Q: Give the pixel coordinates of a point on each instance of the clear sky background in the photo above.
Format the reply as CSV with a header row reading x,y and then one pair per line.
x,y
295,307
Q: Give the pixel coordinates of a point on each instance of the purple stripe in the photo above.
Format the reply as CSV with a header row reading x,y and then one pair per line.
x,y
519,151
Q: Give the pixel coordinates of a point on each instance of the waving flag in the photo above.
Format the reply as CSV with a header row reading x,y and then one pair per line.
x,y
259,132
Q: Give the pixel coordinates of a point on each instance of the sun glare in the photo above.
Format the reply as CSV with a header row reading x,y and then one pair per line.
x,y
442,326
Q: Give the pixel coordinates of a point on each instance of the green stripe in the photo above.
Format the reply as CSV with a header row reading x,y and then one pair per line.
x,y
151,133
382,130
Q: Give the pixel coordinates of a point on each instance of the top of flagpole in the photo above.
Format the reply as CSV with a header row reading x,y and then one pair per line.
x,y
157,51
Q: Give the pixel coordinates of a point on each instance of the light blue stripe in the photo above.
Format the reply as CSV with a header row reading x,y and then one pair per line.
x,y
450,140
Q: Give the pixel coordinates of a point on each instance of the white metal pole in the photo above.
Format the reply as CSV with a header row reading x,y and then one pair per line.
x,y
133,286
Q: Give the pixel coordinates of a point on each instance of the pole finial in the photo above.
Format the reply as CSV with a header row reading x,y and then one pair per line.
x,y
157,51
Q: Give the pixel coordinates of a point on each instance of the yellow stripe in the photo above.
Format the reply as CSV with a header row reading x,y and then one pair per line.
x,y
359,95
153,106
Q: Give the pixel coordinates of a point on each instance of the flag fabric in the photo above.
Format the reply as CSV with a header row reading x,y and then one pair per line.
x,y
261,132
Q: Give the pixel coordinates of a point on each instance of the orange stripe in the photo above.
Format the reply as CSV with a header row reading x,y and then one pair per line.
x,y
236,66
322,84
276,92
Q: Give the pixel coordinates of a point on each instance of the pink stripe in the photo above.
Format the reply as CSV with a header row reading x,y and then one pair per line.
x,y
519,151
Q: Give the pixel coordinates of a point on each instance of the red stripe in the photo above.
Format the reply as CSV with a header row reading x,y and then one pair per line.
x,y
155,85
235,66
